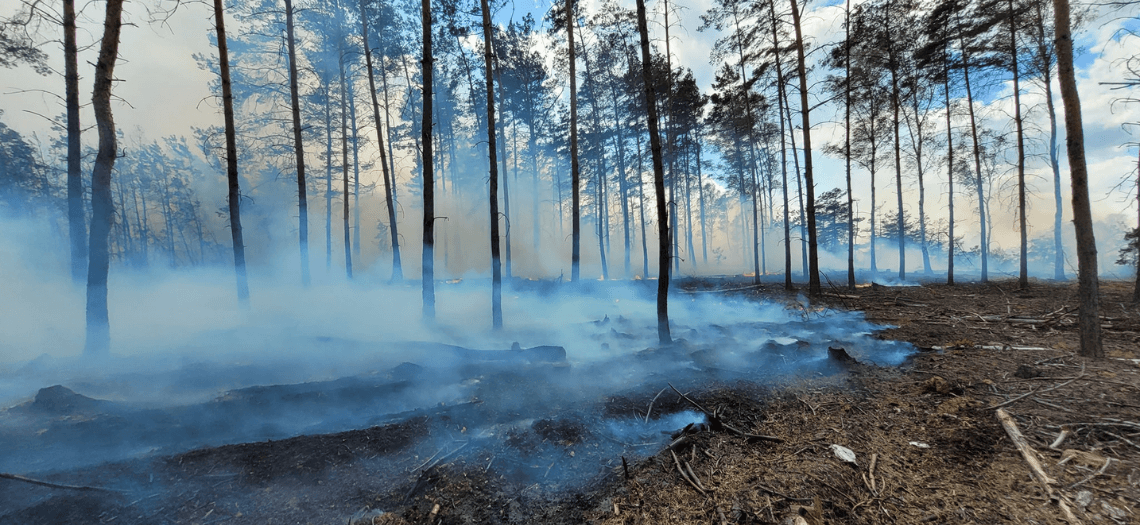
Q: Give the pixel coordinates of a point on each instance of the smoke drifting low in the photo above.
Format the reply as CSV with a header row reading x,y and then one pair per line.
x,y
189,368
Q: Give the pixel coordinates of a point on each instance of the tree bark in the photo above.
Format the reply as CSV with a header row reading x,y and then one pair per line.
x,y
809,181
389,200
575,211
427,262
496,266
847,147
76,215
98,341
234,196
984,246
1088,318
298,147
1023,275
344,168
949,169
658,181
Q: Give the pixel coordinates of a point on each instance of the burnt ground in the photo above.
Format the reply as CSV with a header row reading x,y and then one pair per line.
x,y
928,447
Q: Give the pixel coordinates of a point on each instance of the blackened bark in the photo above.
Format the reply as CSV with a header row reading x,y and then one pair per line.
x,y
658,181
298,147
427,262
575,211
344,167
76,216
234,196
496,265
102,208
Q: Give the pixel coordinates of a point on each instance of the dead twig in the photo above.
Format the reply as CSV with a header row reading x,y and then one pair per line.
x,y
685,476
1039,390
15,477
1107,462
647,412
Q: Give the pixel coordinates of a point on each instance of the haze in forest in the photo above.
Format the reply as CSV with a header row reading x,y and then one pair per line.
x,y
171,279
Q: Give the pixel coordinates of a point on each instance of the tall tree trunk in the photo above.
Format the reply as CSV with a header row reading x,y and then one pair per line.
x,y
701,197
355,170
658,181
641,208
916,140
389,194
744,91
496,268
874,208
984,245
298,147
809,180
1045,58
98,341
1023,275
949,169
328,175
502,130
76,215
782,100
847,145
1088,319
344,167
428,260
896,107
1136,288
575,211
234,196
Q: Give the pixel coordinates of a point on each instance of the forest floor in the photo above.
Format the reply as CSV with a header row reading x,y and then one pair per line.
x,y
928,446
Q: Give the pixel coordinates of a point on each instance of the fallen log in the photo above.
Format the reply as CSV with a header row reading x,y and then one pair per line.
x,y
1035,467
15,477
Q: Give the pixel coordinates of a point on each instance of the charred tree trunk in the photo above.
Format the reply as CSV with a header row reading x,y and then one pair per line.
x,y
102,208
575,211
298,147
658,181
76,215
1088,318
344,168
428,260
496,267
809,181
234,197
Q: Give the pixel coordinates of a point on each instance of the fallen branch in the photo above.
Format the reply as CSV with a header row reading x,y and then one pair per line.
x,y
685,476
650,410
1035,467
15,477
1107,462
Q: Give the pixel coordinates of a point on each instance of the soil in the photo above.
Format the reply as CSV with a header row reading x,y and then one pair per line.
x,y
927,445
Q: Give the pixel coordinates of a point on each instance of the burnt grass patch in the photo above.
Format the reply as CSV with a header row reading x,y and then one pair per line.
x,y
927,444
